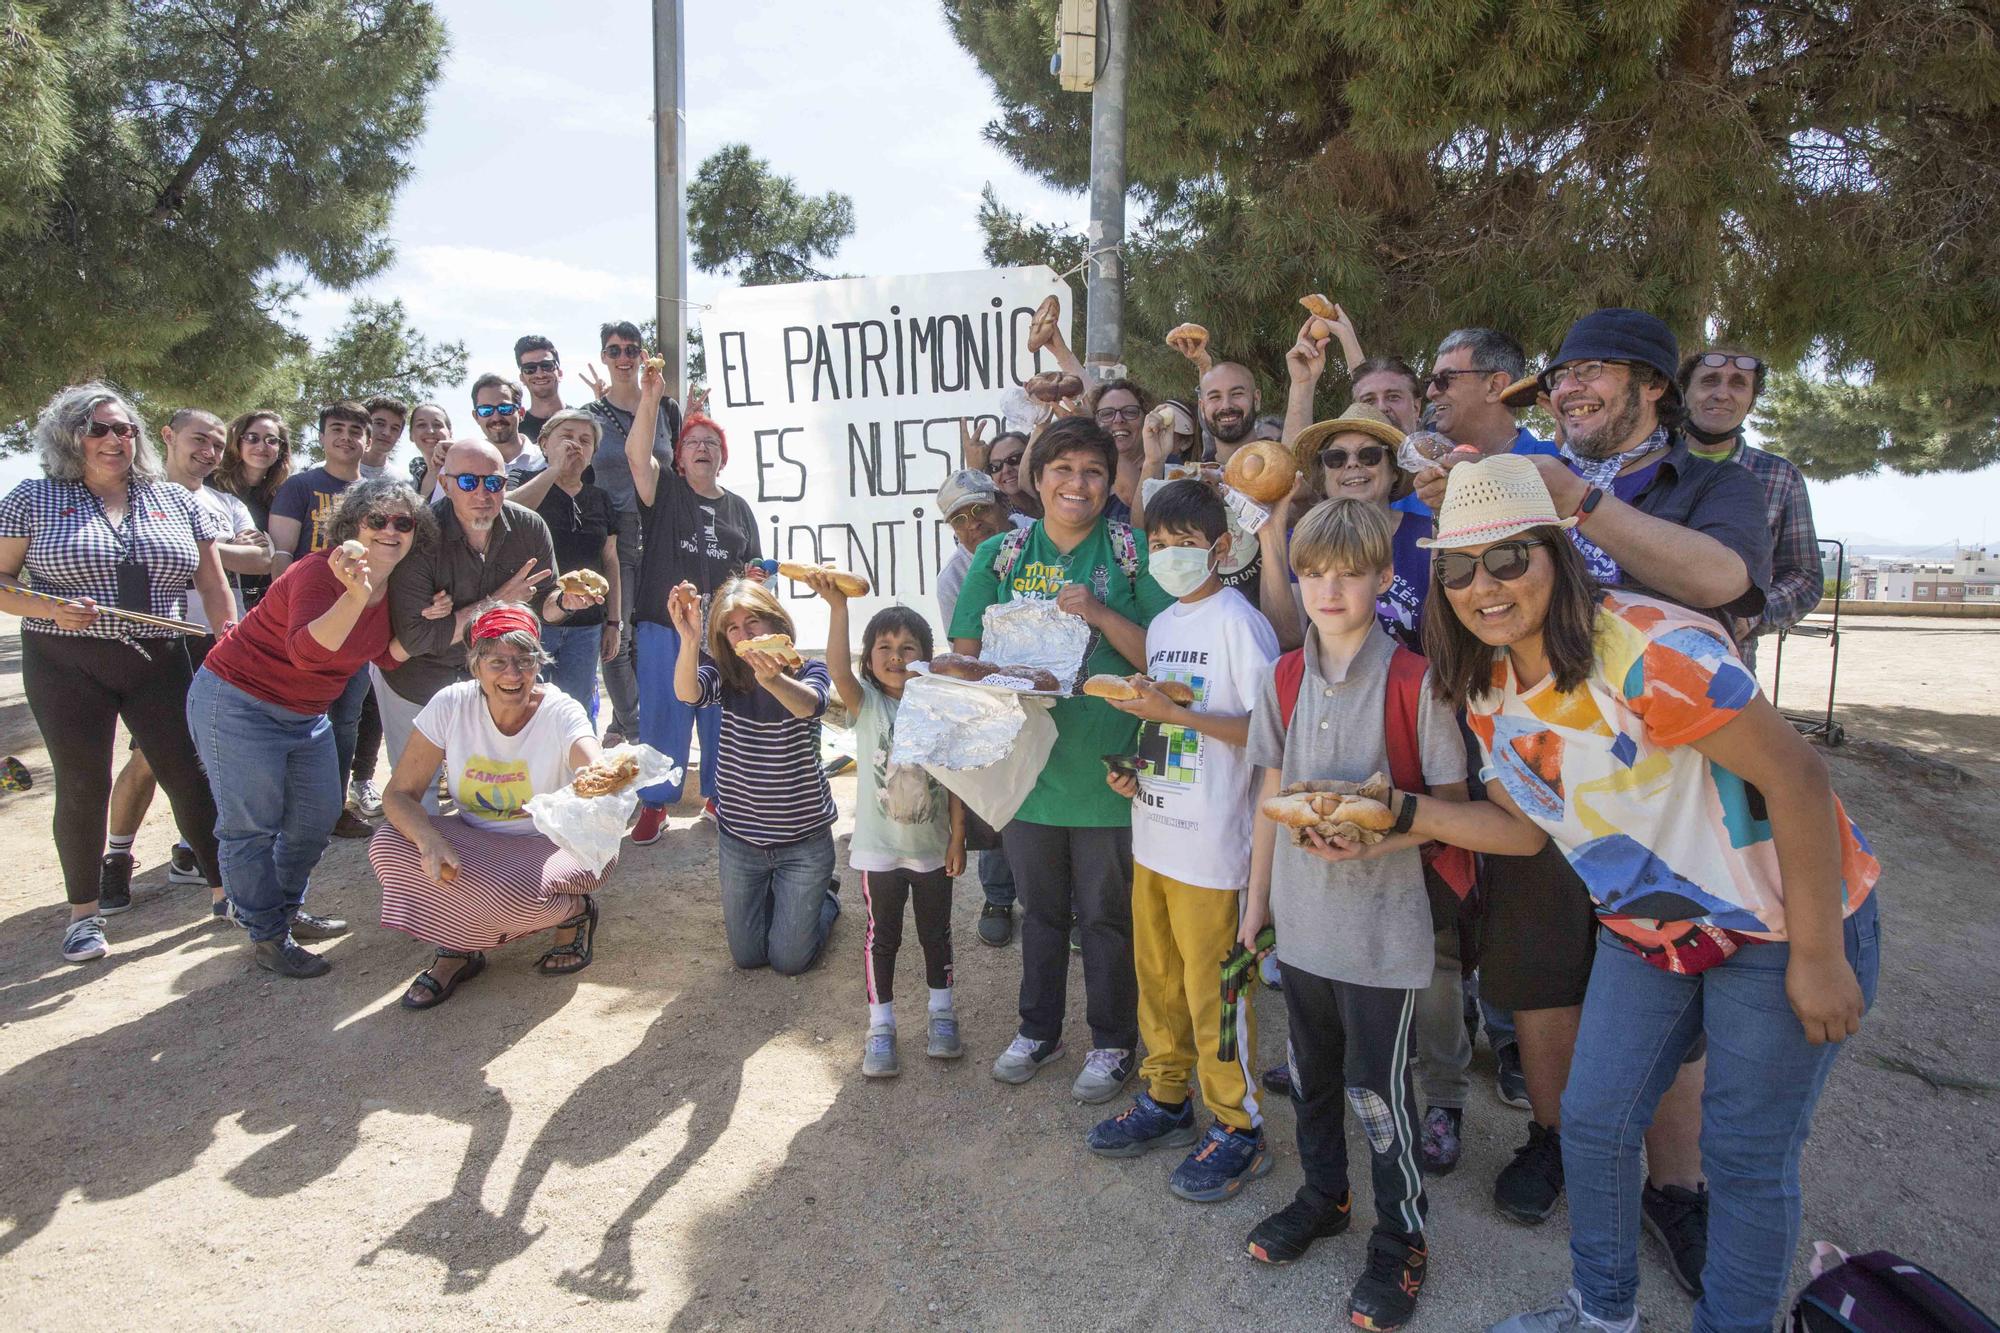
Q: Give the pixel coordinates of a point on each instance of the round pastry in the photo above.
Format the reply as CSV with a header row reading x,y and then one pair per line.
x,y
353,550
1263,470
447,874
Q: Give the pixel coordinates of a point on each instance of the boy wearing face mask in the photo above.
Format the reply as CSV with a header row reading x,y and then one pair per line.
x,y
1192,810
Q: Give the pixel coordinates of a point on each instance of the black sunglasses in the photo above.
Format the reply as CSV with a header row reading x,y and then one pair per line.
x,y
537,367
995,465
1505,561
470,482
1441,379
400,522
97,430
621,351
1368,455
496,410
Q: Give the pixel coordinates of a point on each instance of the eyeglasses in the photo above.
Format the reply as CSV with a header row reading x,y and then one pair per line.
x,y
400,522
503,665
470,482
1717,360
1368,455
1441,379
1505,561
995,466
97,430
1107,415
622,351
1583,372
538,367
496,410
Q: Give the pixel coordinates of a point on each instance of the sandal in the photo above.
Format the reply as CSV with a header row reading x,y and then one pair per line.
x,y
441,990
580,948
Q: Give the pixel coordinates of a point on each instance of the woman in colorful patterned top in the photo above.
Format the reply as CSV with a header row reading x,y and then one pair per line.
x,y
105,527
1734,892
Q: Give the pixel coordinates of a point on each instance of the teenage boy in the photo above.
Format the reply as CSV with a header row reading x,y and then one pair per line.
x,y
386,416
1354,937
1191,812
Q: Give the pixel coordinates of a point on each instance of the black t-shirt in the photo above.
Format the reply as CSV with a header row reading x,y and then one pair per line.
x,y
531,426
691,538
578,525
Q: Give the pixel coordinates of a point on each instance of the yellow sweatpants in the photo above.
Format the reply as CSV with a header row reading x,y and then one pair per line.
x,y
1180,936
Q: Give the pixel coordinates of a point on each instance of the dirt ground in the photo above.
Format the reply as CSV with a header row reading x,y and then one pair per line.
x,y
186,1142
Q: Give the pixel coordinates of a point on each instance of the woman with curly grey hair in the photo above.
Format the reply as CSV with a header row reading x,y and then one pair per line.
x,y
259,713
105,527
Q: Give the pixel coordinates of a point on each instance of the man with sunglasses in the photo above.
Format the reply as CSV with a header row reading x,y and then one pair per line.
x,y
1721,385
624,356
496,406
1470,372
489,550
540,369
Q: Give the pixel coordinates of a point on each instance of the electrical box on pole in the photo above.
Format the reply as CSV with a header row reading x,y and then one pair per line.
x,y
1076,46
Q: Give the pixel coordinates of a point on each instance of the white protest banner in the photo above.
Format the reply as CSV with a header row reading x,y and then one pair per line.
x,y
843,400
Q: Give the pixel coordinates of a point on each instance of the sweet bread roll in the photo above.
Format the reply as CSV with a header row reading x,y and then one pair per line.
x,y
1176,691
1110,687
1263,470
853,585
1042,330
1375,787
1317,328
1319,307
584,582
1187,339
778,645
353,550
656,363
1298,810
960,667
1037,677
1052,386
606,776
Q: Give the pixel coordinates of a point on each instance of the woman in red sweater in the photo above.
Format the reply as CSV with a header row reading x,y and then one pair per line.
x,y
258,711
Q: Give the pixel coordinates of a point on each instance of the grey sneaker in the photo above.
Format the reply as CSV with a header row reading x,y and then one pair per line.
x,y
1106,1070
944,1043
1566,1316
84,940
878,1054
1023,1057
366,800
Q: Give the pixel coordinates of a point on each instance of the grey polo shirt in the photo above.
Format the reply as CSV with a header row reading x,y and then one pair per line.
x,y
435,661
1367,923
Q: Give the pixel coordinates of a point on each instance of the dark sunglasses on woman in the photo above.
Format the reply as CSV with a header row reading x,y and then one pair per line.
x,y
400,522
469,482
124,430
995,467
1505,561
1368,455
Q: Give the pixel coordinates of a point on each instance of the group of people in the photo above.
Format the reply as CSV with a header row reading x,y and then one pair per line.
x,y
1650,900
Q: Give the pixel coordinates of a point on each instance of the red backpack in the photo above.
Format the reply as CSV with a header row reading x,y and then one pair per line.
x,y
1454,865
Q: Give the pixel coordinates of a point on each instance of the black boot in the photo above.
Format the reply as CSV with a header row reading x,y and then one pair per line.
x,y
289,960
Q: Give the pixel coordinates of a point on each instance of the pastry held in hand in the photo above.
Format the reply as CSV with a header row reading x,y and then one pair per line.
x,y
1426,449
851,585
1191,341
1042,329
1375,787
1331,814
607,776
777,645
959,667
353,550
583,583
1052,386
1125,688
1263,470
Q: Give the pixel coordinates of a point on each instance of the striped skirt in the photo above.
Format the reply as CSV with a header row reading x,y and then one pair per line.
x,y
508,885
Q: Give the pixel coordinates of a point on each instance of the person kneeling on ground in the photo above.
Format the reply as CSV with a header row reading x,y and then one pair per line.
x,y
472,881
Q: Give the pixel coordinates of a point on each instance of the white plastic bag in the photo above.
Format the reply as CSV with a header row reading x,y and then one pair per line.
x,y
590,828
986,746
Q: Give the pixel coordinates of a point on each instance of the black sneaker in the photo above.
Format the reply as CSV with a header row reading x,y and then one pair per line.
x,y
306,926
114,884
289,960
1277,1080
1528,1186
182,868
996,924
1678,1219
1286,1235
1386,1295
1510,1085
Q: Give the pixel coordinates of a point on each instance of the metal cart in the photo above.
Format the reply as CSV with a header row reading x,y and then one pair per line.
x,y
1813,724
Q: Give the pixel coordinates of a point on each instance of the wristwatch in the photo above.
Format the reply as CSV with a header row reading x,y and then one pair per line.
x,y
1406,815
1588,505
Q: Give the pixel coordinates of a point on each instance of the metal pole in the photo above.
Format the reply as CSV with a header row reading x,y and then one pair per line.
x,y
670,211
1104,338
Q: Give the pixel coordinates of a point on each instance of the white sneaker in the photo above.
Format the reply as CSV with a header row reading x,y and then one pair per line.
x,y
365,799
1106,1070
878,1055
1023,1056
1566,1316
84,940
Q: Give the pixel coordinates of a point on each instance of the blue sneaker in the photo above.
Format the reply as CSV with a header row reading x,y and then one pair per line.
x,y
1220,1166
1146,1125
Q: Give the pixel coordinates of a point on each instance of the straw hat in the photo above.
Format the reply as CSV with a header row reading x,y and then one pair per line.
x,y
1358,418
1490,500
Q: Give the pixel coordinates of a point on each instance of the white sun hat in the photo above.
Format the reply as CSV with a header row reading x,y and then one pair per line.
x,y
1490,500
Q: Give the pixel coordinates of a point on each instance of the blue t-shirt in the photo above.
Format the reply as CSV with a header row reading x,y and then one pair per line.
x,y
1401,609
1526,443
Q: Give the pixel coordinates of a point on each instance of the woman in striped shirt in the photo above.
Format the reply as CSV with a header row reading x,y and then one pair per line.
x,y
774,811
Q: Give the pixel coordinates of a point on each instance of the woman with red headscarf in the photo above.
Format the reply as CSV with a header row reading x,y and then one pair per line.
x,y
474,880
696,532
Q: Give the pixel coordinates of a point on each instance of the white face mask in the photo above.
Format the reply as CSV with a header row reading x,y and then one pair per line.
x,y
1179,570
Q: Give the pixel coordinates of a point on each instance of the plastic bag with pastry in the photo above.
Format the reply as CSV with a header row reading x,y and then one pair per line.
x,y
591,828
1264,470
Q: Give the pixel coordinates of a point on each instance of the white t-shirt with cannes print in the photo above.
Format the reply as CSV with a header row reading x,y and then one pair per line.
x,y
492,775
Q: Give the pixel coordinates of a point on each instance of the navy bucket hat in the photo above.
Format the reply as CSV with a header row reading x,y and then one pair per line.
x,y
1616,333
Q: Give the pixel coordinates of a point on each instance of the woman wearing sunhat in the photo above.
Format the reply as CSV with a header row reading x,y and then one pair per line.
x,y
1733,894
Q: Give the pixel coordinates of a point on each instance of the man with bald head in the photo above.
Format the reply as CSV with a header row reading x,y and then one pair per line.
x,y
1229,405
488,551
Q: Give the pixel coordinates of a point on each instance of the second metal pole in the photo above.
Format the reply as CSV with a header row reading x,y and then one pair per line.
x,y
1104,336
670,212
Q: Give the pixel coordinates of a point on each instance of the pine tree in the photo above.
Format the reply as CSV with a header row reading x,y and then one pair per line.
x,y
375,351
172,171
745,217
1815,179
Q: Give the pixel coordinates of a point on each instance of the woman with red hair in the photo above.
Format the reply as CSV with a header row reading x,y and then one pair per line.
x,y
474,880
695,532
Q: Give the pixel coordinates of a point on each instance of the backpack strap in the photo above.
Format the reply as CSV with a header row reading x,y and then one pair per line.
x,y
1009,555
1125,550
1290,674
1400,704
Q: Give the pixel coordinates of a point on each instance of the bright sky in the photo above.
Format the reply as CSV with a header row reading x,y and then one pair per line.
x,y
531,208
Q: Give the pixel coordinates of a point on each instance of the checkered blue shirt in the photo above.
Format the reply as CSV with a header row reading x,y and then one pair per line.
x,y
74,550
1797,582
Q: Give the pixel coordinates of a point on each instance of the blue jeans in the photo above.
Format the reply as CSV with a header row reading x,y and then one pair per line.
x,y
346,718
277,792
665,723
1499,1024
997,877
776,909
1764,1080
574,672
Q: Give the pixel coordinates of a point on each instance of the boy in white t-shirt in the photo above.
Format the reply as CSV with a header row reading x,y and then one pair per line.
x,y
1192,814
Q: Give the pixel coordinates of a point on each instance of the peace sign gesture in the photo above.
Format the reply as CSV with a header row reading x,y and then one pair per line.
x,y
593,378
